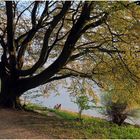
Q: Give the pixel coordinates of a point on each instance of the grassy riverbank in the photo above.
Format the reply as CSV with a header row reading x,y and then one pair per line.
x,y
64,125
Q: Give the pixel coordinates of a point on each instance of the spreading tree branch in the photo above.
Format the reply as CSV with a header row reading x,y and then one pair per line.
x,y
74,35
45,47
33,14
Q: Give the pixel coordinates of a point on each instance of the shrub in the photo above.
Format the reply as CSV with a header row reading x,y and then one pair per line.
x,y
116,111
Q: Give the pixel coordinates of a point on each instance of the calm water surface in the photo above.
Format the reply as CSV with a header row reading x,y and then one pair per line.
x,y
66,104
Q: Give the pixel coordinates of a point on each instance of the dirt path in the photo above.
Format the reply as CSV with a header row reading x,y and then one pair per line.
x,y
20,124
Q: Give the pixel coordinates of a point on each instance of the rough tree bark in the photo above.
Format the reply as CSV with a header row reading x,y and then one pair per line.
x,y
9,95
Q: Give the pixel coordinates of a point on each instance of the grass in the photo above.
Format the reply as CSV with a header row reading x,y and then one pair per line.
x,y
92,128
33,107
67,115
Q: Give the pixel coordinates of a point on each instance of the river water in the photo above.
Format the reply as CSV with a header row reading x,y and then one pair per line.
x,y
66,104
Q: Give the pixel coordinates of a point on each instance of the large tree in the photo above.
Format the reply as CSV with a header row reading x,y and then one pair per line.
x,y
44,41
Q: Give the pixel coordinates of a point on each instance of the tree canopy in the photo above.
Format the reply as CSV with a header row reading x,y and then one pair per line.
x,y
51,40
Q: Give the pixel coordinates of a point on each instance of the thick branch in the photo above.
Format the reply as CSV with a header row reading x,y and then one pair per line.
x,y
24,44
2,42
4,57
10,33
45,47
44,13
73,36
33,14
96,23
10,36
74,74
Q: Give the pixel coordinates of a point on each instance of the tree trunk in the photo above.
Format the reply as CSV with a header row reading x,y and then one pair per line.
x,y
9,102
80,114
119,119
9,94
